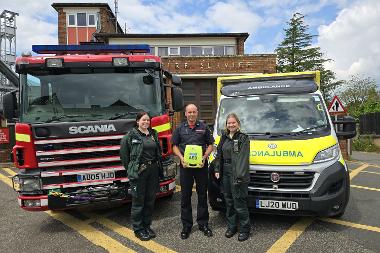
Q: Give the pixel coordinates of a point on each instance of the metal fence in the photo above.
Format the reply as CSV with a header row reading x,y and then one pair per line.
x,y
370,123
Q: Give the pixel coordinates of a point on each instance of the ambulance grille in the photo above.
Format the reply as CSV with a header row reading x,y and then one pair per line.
x,y
287,180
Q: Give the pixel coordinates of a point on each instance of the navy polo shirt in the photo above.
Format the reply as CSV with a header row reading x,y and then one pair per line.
x,y
200,135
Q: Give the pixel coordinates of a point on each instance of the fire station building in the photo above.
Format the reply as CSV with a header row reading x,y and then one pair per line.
x,y
199,58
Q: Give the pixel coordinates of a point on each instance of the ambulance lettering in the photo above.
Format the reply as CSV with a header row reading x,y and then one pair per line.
x,y
285,153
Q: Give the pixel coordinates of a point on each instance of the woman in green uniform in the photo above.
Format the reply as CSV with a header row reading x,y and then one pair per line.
x,y
140,154
232,166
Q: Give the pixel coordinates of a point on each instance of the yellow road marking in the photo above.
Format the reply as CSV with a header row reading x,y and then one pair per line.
x,y
365,188
9,171
90,233
287,239
356,171
6,180
351,224
371,172
129,234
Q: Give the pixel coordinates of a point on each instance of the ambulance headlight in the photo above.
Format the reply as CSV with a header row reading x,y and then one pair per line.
x,y
327,154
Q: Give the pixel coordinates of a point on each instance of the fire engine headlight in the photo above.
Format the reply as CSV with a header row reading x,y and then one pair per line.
x,y
327,154
120,61
54,62
28,184
170,170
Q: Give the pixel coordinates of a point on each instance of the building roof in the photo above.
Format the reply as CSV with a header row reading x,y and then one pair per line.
x,y
171,35
73,5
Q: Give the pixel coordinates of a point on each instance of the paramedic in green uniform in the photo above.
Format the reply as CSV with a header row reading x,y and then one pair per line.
x,y
193,132
232,165
140,154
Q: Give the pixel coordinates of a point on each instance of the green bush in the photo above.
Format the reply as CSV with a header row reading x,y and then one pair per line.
x,y
364,143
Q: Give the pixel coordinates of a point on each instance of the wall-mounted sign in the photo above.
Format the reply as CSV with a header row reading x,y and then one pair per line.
x,y
4,135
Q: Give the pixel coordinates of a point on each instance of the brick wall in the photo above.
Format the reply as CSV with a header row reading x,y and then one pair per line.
x,y
221,64
240,46
107,24
343,148
62,32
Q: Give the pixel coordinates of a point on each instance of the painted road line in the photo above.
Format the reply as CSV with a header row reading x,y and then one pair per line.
x,y
130,235
9,171
351,224
371,172
356,171
287,239
90,233
365,188
6,180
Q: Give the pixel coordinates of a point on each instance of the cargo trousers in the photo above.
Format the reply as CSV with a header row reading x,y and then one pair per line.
x,y
143,191
236,198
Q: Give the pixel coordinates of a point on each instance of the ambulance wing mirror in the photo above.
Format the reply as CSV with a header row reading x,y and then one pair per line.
x,y
10,106
177,99
346,127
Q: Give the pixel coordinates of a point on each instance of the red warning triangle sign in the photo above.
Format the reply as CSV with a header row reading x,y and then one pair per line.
x,y
336,107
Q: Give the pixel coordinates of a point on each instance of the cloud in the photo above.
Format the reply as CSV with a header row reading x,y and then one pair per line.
x,y
234,16
352,40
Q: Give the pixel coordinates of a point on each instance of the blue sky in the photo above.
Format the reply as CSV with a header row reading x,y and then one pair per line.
x,y
348,30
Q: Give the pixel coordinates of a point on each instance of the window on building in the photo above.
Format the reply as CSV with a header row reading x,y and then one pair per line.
x,y
152,50
230,50
91,19
219,50
162,51
173,51
207,51
196,50
184,51
81,19
72,19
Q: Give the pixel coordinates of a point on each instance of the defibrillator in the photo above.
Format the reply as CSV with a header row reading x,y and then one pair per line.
x,y
193,156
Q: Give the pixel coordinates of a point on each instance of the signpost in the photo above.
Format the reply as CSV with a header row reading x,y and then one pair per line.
x,y
336,108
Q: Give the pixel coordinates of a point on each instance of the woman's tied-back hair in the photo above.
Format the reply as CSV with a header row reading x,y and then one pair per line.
x,y
232,115
139,116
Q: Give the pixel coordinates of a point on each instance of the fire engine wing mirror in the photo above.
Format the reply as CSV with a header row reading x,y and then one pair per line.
x,y
176,80
10,106
346,127
177,98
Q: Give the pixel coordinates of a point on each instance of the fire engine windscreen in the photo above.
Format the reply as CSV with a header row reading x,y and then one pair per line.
x,y
82,95
301,114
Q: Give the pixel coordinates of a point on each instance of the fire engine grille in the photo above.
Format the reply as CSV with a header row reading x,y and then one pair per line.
x,y
287,180
79,144
89,155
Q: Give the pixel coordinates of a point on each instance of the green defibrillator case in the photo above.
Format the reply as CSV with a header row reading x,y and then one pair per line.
x,y
193,156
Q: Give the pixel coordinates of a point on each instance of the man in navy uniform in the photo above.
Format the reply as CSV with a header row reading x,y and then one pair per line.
x,y
193,132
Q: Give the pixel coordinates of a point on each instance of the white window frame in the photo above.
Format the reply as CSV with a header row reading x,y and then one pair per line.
x,y
88,19
208,47
170,53
68,19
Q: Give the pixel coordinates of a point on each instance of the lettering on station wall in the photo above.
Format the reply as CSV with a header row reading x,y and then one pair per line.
x,y
206,65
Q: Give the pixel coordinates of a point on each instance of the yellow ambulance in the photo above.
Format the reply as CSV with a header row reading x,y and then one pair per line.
x,y
296,166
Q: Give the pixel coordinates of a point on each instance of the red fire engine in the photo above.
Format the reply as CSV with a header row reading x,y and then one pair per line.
x,y
75,105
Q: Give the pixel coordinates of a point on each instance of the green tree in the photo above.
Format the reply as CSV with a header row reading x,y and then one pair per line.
x,y
360,95
296,53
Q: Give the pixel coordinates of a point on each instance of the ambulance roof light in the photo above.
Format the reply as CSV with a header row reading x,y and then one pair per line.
x,y
83,49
